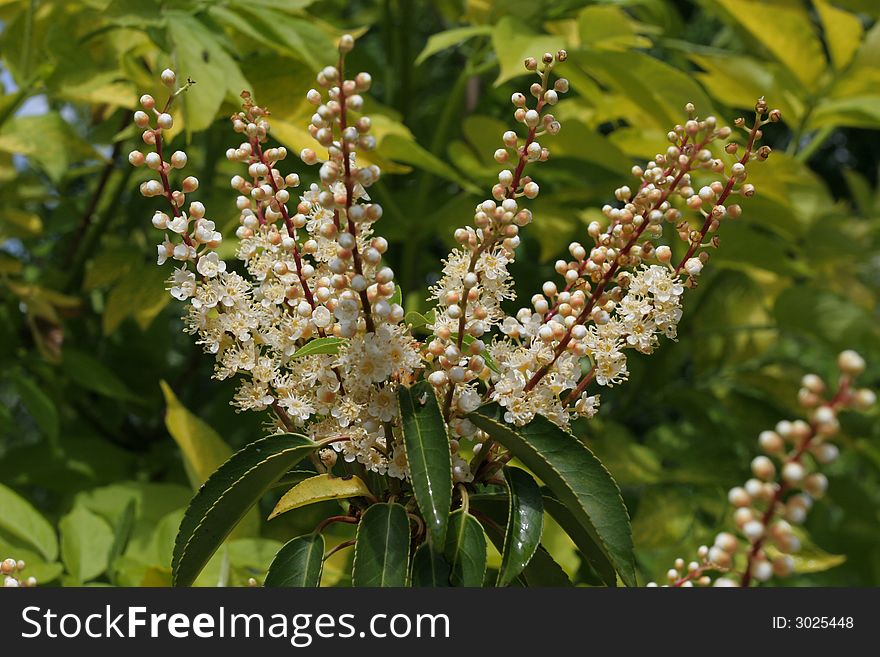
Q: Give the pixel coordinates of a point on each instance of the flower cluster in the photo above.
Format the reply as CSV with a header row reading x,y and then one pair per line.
x,y
620,292
786,479
311,323
315,277
11,571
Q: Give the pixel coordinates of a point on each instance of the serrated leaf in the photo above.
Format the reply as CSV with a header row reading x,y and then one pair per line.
x,y
20,520
542,569
228,495
429,457
584,541
320,488
381,549
299,563
203,451
465,550
328,345
86,541
430,568
449,38
576,477
525,524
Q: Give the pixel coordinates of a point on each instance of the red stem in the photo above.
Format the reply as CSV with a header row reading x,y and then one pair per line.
x,y
349,194
836,401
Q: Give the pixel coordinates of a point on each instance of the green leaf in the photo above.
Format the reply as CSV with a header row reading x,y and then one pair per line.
x,y
203,449
139,294
786,31
584,541
226,497
542,569
396,142
201,57
20,520
381,550
513,41
576,477
40,406
92,374
320,488
298,563
657,90
419,322
465,550
429,457
121,535
300,36
525,524
317,346
86,541
443,40
810,558
293,477
48,140
397,297
609,28
430,568
843,32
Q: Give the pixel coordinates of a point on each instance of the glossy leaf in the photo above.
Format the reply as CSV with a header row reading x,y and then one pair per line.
x,y
525,524
228,495
320,488
429,568
585,542
542,569
381,551
465,550
299,563
576,477
317,346
429,457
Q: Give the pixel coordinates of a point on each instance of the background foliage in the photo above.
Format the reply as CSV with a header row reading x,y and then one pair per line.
x,y
109,418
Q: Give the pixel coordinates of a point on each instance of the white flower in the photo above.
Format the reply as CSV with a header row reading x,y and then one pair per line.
x,y
179,224
469,400
183,284
210,265
164,251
